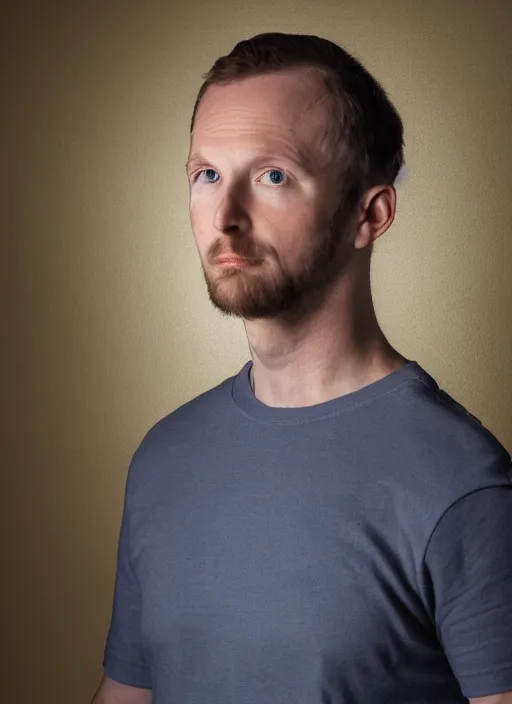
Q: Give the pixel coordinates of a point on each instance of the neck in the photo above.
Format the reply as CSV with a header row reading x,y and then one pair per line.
x,y
332,351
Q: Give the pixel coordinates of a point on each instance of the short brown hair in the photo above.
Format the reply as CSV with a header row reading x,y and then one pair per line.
x,y
368,127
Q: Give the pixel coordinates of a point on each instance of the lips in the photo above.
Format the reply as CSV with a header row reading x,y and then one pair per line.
x,y
235,260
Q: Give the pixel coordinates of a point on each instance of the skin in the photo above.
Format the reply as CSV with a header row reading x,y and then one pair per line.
x,y
111,692
329,343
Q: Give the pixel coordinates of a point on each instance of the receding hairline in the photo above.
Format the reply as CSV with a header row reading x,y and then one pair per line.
x,y
315,75
312,71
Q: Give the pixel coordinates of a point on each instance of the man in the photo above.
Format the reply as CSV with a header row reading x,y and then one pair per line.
x,y
328,526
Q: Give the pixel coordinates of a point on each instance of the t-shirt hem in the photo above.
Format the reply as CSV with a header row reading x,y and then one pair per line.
x,y
127,673
491,683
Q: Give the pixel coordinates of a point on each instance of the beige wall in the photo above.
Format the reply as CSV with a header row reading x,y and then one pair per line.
x,y
109,322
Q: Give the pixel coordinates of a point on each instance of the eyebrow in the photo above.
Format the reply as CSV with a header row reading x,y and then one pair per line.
x,y
302,161
194,160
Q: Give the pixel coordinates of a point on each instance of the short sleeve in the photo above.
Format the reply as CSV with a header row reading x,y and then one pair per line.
x,y
469,561
124,659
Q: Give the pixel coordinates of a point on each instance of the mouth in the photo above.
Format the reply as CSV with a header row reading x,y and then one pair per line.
x,y
235,262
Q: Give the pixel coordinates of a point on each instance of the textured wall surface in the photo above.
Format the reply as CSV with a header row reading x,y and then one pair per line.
x,y
109,326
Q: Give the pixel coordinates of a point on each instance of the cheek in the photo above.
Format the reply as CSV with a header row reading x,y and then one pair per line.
x,y
289,224
195,211
289,235
199,222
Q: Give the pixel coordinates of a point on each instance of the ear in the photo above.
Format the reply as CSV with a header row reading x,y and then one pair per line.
x,y
375,215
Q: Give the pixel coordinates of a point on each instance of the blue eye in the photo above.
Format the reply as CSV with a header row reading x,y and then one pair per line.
x,y
208,175
275,177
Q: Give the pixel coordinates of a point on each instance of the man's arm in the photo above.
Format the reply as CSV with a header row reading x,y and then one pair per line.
x,y
111,692
468,561
124,659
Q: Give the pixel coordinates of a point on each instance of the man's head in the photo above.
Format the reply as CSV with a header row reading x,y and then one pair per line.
x,y
290,136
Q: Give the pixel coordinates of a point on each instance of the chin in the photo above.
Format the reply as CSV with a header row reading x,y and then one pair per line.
x,y
231,295
251,296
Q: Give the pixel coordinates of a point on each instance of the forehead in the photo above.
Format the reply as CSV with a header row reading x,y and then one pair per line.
x,y
291,106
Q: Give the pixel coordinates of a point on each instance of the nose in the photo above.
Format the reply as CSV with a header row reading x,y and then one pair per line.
x,y
231,215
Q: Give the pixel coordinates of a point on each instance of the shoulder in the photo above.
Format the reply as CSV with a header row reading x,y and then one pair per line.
x,y
204,408
189,423
429,452
445,443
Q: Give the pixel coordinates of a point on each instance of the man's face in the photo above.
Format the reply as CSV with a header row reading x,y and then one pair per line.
x,y
264,195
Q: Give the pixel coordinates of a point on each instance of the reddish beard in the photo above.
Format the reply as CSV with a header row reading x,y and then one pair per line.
x,y
268,289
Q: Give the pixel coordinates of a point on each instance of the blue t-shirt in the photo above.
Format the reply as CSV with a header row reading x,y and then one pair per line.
x,y
358,551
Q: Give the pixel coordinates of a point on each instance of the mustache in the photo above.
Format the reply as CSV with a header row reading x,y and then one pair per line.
x,y
239,248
